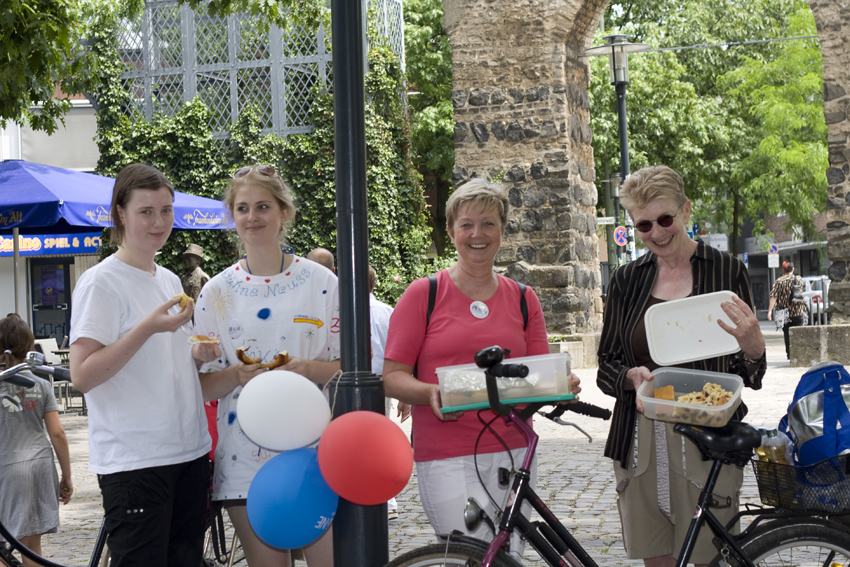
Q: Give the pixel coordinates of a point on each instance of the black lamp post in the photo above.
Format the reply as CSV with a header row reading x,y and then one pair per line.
x,y
617,49
361,534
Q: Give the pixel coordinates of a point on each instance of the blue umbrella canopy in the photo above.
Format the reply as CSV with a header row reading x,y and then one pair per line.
x,y
33,195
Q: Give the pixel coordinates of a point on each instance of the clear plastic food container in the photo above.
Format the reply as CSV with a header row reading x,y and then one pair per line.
x,y
684,382
463,387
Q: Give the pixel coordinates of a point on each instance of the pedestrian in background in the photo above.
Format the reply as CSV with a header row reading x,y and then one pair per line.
x,y
787,310
30,491
131,358
379,318
194,278
323,257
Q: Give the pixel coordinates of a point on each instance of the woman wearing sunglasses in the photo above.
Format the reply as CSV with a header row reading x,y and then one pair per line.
x,y
268,302
657,495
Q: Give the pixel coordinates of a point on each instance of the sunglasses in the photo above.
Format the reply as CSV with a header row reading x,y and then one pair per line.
x,y
265,170
663,221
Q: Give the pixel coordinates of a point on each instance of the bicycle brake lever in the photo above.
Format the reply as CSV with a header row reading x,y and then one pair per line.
x,y
560,421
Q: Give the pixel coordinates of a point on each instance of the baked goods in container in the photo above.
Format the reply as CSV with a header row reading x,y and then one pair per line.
x,y
665,393
711,395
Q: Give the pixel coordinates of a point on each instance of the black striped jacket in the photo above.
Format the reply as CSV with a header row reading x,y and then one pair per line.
x,y
628,295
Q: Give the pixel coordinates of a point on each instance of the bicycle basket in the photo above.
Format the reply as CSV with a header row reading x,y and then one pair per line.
x,y
823,487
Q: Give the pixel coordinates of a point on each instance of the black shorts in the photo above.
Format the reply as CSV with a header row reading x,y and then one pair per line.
x,y
157,515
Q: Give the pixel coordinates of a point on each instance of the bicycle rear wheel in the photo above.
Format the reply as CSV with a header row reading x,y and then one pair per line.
x,y
451,554
804,544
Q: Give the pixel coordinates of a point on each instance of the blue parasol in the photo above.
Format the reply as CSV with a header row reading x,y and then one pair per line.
x,y
33,195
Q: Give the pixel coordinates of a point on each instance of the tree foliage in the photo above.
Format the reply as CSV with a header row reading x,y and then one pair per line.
x,y
40,50
182,147
706,112
428,57
398,232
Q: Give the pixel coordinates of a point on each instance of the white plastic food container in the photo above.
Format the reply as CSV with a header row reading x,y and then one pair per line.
x,y
684,330
686,381
463,387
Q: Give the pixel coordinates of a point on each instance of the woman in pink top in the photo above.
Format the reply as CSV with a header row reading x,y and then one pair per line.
x,y
475,308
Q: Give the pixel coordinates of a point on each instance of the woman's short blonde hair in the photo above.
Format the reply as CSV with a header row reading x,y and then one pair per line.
x,y
651,184
481,193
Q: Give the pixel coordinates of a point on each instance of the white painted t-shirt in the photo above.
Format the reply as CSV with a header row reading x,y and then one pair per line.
x,y
296,311
151,413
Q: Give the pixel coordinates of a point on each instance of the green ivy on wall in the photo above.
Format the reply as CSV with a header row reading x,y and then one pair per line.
x,y
182,147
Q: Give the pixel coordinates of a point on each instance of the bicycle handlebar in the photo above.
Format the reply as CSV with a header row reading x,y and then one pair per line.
x,y
510,370
33,362
583,408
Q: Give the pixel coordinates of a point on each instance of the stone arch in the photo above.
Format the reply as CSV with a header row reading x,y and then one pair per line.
x,y
521,112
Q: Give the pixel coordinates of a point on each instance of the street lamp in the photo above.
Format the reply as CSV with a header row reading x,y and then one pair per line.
x,y
617,49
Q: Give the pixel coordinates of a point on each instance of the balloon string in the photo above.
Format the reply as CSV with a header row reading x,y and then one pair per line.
x,y
337,375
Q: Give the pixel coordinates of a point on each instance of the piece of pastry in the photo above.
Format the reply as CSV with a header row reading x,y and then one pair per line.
x,y
280,359
195,339
665,393
184,299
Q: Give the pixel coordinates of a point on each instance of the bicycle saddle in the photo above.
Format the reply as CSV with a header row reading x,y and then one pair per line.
x,y
734,442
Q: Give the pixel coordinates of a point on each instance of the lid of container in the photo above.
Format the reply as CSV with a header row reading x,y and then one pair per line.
x,y
684,330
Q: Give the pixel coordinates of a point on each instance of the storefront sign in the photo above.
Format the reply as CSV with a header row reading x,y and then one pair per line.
x,y
51,244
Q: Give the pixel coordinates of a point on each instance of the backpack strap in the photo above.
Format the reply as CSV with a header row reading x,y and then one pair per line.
x,y
523,306
432,298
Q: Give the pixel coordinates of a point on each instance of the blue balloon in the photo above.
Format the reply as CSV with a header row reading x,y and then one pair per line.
x,y
289,503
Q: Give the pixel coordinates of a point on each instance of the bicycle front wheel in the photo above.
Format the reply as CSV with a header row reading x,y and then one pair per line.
x,y
802,545
451,554
6,557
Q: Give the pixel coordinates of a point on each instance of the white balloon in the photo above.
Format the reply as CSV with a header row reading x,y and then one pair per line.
x,y
282,410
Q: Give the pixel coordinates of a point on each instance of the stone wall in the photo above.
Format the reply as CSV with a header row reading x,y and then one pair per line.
x,y
833,24
522,112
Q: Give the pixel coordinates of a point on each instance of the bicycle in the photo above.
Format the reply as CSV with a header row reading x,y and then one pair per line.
x,y
775,535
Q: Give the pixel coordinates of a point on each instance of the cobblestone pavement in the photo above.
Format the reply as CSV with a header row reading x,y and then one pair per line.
x,y
574,478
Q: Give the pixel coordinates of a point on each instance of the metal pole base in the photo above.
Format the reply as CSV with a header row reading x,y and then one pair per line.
x,y
357,529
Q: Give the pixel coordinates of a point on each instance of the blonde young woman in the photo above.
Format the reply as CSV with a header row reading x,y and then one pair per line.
x,y
131,358
269,301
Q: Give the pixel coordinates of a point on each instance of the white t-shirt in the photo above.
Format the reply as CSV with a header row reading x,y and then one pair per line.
x,y
296,311
379,316
151,413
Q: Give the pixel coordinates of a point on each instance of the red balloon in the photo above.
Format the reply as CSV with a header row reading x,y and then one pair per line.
x,y
365,457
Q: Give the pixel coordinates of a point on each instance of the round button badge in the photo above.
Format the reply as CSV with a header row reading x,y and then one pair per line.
x,y
479,309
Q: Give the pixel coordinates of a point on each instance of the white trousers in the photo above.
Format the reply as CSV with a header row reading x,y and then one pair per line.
x,y
445,485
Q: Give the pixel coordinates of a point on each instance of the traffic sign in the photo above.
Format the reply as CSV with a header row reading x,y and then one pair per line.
x,y
719,241
620,235
604,220
746,258
774,249
773,260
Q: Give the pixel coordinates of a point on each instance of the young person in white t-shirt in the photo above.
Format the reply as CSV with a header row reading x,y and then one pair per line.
x,y
131,358
270,301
